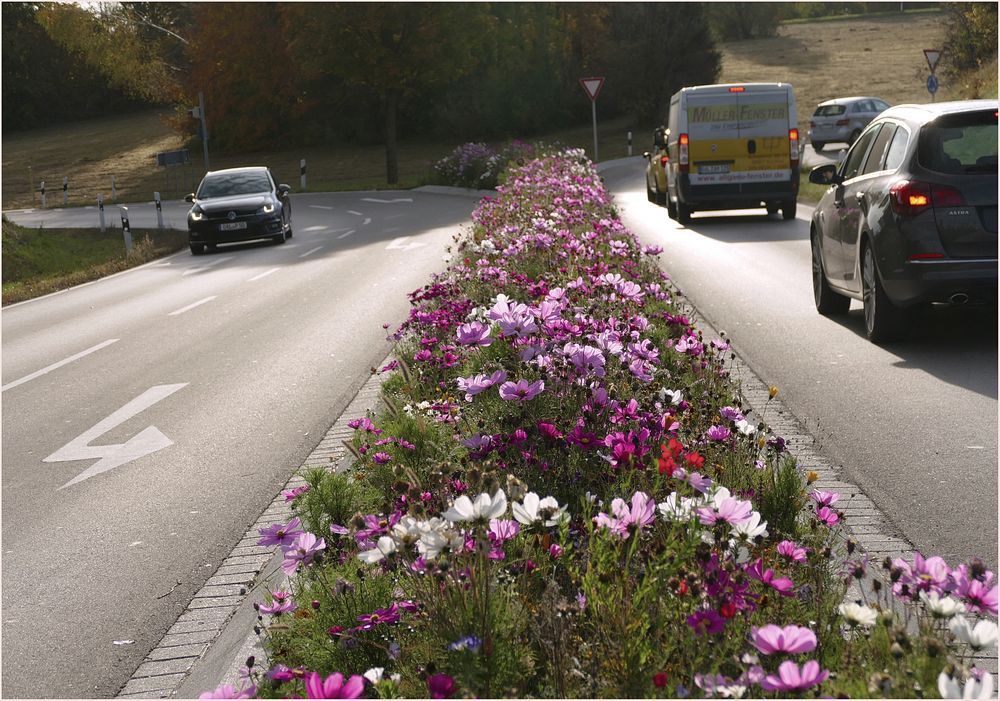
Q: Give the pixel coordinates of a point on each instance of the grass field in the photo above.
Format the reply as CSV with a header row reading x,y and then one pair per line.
x,y
879,56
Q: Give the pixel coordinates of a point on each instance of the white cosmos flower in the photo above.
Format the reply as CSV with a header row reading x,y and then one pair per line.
x,y
374,675
677,508
483,508
674,395
983,634
435,539
534,509
974,688
858,615
385,547
745,427
748,530
941,606
406,531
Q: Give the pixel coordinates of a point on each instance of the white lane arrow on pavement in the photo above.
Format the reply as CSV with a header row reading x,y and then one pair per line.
x,y
401,244
149,440
398,199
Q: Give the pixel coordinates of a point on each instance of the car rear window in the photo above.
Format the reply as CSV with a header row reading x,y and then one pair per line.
x,y
229,184
829,110
960,143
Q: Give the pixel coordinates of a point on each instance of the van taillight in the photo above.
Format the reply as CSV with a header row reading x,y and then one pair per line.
x,y
682,158
909,197
737,88
793,146
663,160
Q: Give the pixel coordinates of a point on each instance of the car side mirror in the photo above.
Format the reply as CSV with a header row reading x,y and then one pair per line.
x,y
645,154
189,197
824,175
283,189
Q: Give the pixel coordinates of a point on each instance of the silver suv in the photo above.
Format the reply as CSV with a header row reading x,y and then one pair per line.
x,y
843,119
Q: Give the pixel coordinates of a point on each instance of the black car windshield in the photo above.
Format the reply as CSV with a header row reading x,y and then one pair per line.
x,y
960,143
229,184
829,110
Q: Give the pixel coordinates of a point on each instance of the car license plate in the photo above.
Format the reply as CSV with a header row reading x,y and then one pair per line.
x,y
232,225
714,168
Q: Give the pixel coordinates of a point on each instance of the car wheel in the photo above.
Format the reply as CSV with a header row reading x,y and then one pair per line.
x,y
772,208
884,321
828,302
788,209
650,195
212,246
197,249
289,222
280,238
854,136
818,146
683,212
671,208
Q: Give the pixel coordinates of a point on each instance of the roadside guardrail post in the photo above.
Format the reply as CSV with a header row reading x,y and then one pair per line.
x,y
126,231
65,190
114,192
630,143
100,212
302,174
159,210
43,194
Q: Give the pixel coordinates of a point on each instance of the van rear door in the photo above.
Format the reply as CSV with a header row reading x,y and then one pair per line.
x,y
713,131
764,119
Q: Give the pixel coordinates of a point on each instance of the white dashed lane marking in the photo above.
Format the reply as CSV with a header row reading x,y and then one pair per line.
x,y
319,206
344,236
206,266
307,253
54,366
191,306
264,274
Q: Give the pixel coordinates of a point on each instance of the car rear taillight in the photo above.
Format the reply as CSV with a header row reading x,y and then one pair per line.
x,y
843,122
663,160
793,147
812,125
909,197
682,158
737,88
926,256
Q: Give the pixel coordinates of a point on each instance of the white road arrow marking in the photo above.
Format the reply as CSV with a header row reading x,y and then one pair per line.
x,y
50,368
398,199
149,440
401,244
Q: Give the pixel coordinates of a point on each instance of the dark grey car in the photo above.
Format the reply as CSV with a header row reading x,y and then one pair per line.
x,y
910,216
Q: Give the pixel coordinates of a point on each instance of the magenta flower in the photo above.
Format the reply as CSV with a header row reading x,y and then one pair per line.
x,y
334,686
304,550
791,678
794,640
824,498
555,550
228,691
706,622
280,534
586,360
783,585
729,510
502,530
474,333
281,603
792,551
718,433
440,686
827,515
381,458
478,383
364,424
385,616
293,494
522,390
978,597
624,517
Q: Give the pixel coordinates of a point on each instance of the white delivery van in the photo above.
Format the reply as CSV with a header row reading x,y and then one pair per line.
x,y
733,146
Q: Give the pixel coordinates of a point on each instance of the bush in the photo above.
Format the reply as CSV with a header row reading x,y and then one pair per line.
x,y
478,166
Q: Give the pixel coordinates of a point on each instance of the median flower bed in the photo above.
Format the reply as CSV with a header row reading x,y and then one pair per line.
x,y
565,496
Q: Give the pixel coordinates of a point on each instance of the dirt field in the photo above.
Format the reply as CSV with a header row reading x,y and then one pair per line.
x,y
878,56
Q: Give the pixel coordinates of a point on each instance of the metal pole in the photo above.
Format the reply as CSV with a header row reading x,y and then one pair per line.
x,y
114,193
43,194
630,143
204,126
65,190
126,231
100,211
302,174
593,107
159,210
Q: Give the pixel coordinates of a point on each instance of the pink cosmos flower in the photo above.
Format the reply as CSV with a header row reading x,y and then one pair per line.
x,y
304,550
706,622
727,509
478,383
228,691
440,686
827,515
791,678
474,333
640,514
292,494
792,551
502,530
783,585
334,686
522,390
718,433
282,603
823,498
280,534
770,639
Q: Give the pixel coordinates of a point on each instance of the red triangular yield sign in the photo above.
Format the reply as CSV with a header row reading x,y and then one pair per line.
x,y
932,56
592,86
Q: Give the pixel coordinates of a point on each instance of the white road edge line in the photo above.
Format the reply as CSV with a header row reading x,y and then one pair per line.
x,y
351,211
206,266
264,274
54,366
307,253
191,306
344,236
319,206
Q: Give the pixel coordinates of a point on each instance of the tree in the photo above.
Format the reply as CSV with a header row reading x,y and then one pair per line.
x,y
971,36
745,20
394,50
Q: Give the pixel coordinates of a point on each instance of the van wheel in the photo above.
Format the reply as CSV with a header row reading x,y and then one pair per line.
x,y
828,302
683,212
671,208
661,198
772,208
788,209
197,249
884,321
650,196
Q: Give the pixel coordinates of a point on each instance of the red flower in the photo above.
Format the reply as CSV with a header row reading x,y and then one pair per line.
x,y
682,588
728,610
694,460
660,679
667,465
675,447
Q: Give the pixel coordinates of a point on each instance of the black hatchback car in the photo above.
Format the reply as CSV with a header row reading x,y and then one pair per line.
x,y
910,216
238,204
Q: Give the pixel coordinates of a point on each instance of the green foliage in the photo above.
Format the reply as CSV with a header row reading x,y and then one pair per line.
x,y
736,21
971,36
334,498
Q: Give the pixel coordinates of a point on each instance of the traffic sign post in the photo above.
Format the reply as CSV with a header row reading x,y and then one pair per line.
x,y
932,85
932,56
592,86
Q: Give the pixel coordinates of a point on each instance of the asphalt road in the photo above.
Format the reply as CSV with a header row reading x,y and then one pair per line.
x,y
150,417
913,423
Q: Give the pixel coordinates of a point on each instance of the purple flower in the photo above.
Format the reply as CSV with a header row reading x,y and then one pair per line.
x,y
718,433
517,324
478,383
280,534
731,413
823,498
586,360
783,585
304,550
385,616
794,640
468,642
706,622
293,494
422,356
474,333
522,390
228,691
555,550
381,458
440,686
791,678
827,515
792,550
364,424
334,686
281,603
502,530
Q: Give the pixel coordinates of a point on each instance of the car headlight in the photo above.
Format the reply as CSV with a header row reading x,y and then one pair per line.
x,y
268,207
197,214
